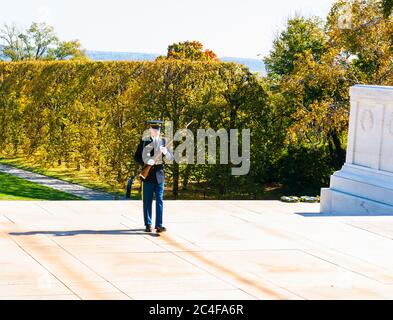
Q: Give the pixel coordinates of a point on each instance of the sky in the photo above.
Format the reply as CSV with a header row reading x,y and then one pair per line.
x,y
231,28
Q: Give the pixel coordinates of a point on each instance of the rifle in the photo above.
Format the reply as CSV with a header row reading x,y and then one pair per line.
x,y
147,168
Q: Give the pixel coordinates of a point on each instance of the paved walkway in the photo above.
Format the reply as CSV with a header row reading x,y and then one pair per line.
x,y
212,250
57,184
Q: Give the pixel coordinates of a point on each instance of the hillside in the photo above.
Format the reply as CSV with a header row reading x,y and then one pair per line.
x,y
254,65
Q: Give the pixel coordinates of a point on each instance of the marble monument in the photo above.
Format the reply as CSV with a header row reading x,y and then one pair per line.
x,y
365,183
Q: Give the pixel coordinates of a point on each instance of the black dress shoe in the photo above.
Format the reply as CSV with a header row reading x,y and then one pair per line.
x,y
148,229
160,229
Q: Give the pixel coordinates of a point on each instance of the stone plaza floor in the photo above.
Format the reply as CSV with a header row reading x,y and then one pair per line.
x,y
212,250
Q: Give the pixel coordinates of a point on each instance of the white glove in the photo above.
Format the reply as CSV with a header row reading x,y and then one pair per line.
x,y
150,162
164,150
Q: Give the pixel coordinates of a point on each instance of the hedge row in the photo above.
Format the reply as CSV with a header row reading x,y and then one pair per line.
x,y
92,114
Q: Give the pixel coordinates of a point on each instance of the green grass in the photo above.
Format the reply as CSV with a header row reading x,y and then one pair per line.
x,y
14,188
85,177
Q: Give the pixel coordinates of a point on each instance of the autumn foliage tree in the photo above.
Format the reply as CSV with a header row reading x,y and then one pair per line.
x,y
190,50
310,69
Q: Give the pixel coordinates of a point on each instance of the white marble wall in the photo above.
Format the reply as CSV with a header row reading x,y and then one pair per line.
x,y
370,140
365,183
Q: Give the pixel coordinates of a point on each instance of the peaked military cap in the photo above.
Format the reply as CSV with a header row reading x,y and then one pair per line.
x,y
155,124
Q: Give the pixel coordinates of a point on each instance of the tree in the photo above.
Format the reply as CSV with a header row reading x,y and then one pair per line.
x,y
317,92
13,46
191,50
67,50
299,36
177,90
312,66
308,87
38,42
366,43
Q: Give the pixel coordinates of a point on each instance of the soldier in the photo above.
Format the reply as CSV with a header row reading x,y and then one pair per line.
x,y
154,182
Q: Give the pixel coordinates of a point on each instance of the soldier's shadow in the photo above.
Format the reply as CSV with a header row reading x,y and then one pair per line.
x,y
71,233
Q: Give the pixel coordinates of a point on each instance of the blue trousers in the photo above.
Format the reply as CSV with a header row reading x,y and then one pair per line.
x,y
149,189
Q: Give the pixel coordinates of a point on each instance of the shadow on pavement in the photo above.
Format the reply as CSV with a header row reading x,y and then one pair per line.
x,y
72,233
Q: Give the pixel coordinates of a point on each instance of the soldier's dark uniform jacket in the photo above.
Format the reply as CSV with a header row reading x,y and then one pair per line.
x,y
157,174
